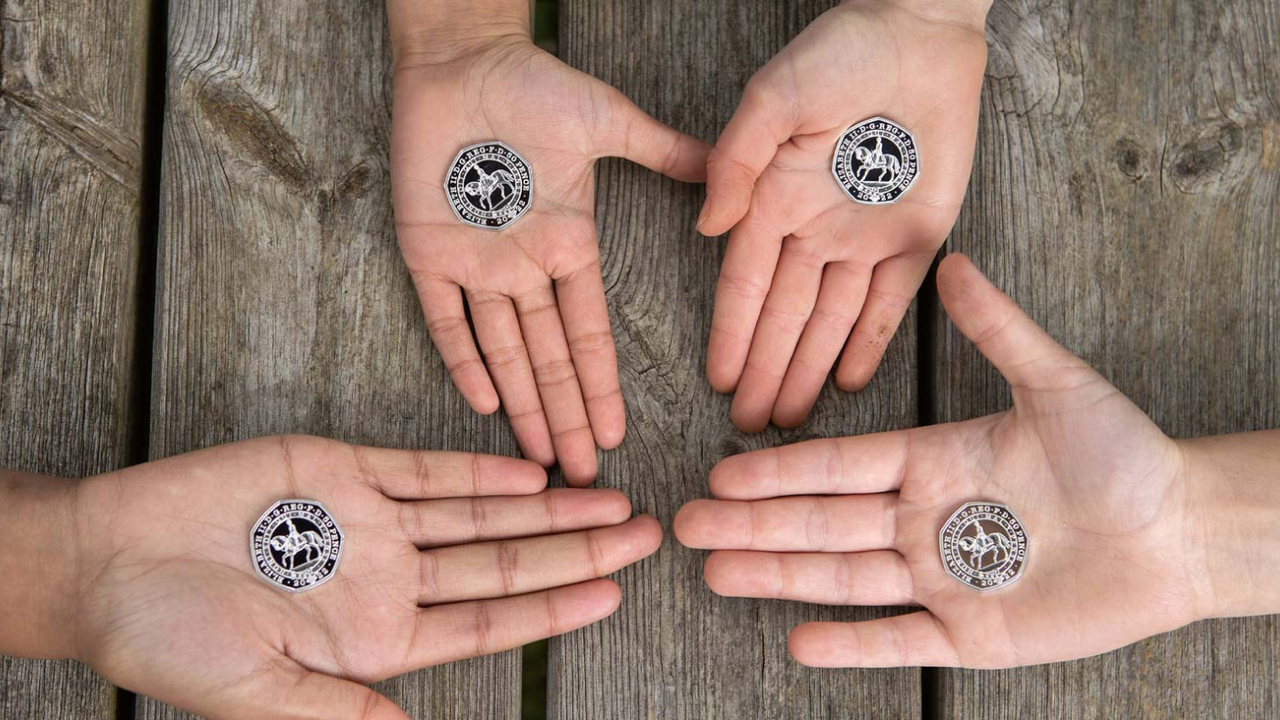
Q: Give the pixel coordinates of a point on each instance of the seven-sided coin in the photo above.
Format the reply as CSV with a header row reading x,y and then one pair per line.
x,y
875,161
489,185
983,545
295,545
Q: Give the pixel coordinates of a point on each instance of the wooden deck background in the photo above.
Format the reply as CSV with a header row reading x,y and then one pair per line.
x,y
1126,191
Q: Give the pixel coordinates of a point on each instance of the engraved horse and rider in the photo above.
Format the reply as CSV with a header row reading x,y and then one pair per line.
x,y
486,184
291,545
982,544
878,161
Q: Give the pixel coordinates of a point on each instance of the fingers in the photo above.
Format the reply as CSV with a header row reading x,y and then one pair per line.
x,y
782,319
454,632
421,475
763,121
558,386
844,286
586,323
835,466
914,639
745,277
865,578
433,523
636,136
893,284
515,567
1023,353
316,696
843,523
447,323
498,331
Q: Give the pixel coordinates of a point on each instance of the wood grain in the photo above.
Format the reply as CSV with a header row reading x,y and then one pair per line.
x,y
674,649
1125,193
72,98
283,304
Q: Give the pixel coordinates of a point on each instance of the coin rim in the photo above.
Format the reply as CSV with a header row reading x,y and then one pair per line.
x,y
1027,554
835,159
515,217
336,558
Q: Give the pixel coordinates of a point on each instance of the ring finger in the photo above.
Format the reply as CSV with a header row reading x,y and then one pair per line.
x,y
782,319
505,354
844,287
557,380
515,567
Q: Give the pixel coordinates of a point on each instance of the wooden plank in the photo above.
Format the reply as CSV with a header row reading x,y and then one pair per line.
x,y
72,97
1124,193
674,649
283,304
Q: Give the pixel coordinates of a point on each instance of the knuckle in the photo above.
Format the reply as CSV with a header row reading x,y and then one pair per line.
x,y
744,288
554,372
508,561
590,343
507,356
788,319
446,325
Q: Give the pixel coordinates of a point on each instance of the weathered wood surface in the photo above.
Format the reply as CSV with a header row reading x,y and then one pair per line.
x,y
72,87
283,303
675,650
1125,192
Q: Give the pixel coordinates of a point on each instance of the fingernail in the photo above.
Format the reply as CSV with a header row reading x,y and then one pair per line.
x,y
702,216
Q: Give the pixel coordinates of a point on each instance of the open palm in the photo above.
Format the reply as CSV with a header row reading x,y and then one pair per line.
x,y
534,288
445,556
808,271
1100,490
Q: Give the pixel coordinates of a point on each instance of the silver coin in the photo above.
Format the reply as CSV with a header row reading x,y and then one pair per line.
x,y
875,161
295,545
983,545
489,185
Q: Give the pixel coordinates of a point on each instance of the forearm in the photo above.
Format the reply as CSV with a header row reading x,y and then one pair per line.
x,y
37,566
1234,489
438,30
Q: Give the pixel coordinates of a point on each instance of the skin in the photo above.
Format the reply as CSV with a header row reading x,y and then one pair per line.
x,y
808,272
1130,533
534,289
145,573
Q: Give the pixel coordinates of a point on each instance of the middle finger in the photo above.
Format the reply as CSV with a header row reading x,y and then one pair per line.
x,y
848,523
558,385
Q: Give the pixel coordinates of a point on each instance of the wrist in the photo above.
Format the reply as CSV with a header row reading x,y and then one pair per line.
x,y
428,32
38,530
971,14
1233,484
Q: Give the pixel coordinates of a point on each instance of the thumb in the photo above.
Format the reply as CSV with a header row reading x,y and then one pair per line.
x,y
316,695
633,134
745,148
1023,353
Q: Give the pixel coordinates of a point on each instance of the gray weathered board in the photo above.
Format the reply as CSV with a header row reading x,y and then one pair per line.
x,y
72,85
1126,192
283,304
675,650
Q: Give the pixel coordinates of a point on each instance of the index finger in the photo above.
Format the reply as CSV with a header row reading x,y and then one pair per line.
x,y
426,475
830,466
586,325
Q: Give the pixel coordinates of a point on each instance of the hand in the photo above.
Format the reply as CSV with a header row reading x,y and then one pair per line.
x,y
446,556
804,262
534,289
1116,550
